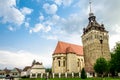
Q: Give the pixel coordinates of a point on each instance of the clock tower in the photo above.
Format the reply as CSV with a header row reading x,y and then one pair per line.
x,y
95,40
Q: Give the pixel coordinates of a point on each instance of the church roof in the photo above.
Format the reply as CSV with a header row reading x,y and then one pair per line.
x,y
64,48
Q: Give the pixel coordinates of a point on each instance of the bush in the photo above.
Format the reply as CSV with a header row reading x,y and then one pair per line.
x,y
83,74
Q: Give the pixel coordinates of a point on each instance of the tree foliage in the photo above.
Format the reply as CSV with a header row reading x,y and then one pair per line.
x,y
83,74
49,70
112,65
101,66
115,60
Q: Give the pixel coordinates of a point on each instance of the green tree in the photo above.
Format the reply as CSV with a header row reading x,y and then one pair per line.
x,y
112,65
83,74
101,66
117,56
49,70
115,60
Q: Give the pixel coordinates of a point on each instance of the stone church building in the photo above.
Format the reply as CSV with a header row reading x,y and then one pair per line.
x,y
67,58
71,58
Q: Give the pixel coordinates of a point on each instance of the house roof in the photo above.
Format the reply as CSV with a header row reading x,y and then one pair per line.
x,y
7,71
64,48
37,65
16,70
26,68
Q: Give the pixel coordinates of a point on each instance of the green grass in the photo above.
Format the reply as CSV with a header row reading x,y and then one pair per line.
x,y
74,79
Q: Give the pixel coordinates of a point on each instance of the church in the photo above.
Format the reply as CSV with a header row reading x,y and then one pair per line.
x,y
70,58
67,58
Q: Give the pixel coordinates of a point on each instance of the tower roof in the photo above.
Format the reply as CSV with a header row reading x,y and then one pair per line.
x,y
93,24
64,48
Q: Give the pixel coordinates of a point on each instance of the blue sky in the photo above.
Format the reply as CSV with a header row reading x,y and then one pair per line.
x,y
30,29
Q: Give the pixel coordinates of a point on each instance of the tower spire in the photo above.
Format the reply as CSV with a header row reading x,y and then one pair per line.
x,y
90,6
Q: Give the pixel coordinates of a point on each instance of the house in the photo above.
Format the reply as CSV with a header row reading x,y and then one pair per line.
x,y
4,72
37,69
16,73
26,71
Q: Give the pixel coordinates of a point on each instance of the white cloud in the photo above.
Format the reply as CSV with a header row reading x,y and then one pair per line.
x,y
40,27
41,17
55,18
58,2
30,31
21,59
67,2
114,33
27,24
72,24
10,28
9,12
26,11
48,28
63,2
50,9
113,39
51,37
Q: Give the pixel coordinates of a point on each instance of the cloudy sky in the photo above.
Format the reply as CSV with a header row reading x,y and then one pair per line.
x,y
30,29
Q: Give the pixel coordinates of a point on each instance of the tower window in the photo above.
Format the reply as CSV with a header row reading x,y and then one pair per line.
x,y
59,63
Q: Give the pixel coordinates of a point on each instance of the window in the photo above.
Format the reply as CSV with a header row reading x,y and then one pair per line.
x,y
33,75
59,63
64,63
78,63
58,58
81,59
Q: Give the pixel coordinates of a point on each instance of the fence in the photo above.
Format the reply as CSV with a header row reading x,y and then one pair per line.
x,y
56,75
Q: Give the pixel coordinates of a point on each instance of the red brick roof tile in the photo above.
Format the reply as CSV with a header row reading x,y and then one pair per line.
x,y
64,48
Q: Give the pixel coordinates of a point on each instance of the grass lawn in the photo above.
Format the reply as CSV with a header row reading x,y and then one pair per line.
x,y
75,79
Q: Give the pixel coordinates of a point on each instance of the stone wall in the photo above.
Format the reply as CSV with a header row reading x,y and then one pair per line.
x,y
95,45
69,62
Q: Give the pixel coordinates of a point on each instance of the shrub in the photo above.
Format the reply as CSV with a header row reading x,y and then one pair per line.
x,y
83,74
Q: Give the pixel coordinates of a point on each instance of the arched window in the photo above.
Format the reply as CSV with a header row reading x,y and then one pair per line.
x,y
59,63
78,63
64,63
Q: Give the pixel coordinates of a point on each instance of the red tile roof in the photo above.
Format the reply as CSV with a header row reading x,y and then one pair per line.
x,y
64,48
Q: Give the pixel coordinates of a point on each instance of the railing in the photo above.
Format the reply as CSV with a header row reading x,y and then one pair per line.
x,y
56,75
